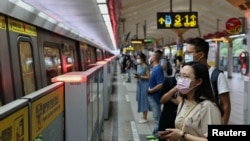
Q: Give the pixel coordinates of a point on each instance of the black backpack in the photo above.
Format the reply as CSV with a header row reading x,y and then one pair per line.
x,y
214,79
169,68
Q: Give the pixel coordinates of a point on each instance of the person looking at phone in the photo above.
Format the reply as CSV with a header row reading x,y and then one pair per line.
x,y
198,107
142,75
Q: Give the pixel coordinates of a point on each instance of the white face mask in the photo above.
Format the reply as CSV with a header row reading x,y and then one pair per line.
x,y
189,57
138,61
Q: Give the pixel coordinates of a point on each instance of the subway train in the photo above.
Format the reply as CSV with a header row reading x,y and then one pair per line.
x,y
30,56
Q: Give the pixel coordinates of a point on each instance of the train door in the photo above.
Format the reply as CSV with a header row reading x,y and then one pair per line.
x,y
91,56
68,59
52,60
6,85
83,54
27,65
23,56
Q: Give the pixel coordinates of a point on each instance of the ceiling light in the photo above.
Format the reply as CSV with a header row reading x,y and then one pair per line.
x,y
238,35
23,5
106,17
103,8
101,1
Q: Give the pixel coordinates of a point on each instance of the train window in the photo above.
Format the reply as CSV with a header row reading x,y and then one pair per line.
x,y
84,56
92,55
52,62
69,56
26,59
99,55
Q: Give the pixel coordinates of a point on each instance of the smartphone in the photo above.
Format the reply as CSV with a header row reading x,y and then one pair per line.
x,y
161,133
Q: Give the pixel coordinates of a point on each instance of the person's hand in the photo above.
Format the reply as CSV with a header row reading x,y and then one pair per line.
x,y
137,75
150,91
162,134
173,134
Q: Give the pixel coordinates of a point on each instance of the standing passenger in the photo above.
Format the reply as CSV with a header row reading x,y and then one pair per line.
x,y
197,50
170,101
155,84
198,107
163,62
128,67
142,76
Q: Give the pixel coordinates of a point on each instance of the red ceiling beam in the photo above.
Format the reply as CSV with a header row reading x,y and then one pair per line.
x,y
114,15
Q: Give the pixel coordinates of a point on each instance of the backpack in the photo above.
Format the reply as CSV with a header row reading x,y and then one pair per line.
x,y
214,80
169,68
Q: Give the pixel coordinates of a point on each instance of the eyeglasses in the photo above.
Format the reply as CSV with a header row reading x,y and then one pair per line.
x,y
179,77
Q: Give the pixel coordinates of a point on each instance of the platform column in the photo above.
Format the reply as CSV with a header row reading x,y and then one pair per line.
x,y
246,107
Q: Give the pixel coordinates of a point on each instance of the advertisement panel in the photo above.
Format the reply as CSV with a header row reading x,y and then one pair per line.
x,y
2,23
22,28
45,110
15,126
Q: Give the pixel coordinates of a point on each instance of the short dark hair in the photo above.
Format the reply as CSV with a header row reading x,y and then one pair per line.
x,y
158,54
200,45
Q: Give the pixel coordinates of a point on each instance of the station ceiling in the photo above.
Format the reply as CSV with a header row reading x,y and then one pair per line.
x,y
84,16
212,16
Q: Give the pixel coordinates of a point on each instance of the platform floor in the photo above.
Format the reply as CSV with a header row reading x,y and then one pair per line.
x,y
123,125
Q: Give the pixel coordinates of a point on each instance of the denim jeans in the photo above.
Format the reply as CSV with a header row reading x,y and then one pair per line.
x,y
129,76
156,110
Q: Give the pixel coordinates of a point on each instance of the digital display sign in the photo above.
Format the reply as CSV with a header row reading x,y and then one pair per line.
x,y
169,20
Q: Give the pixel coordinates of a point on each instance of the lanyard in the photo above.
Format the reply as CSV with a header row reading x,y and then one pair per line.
x,y
186,114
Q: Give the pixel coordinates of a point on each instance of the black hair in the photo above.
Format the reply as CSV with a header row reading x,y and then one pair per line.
x,y
203,91
179,58
158,54
200,45
143,57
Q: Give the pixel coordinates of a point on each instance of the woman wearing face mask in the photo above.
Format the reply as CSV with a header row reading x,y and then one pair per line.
x,y
142,76
198,107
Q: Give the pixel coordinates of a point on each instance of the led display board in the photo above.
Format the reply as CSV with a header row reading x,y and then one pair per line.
x,y
170,20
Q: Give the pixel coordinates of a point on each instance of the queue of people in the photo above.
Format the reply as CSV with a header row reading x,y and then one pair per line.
x,y
189,99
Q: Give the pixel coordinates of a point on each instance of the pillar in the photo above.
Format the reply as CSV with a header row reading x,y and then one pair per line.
x,y
179,41
246,79
230,58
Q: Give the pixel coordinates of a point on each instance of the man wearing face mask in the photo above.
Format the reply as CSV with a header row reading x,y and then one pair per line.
x,y
155,84
197,50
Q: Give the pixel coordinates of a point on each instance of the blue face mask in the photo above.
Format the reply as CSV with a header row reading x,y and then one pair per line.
x,y
189,57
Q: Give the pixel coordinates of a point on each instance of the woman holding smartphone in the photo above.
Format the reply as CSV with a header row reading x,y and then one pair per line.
x,y
142,75
198,107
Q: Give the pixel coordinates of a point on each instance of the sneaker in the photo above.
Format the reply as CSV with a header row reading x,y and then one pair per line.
x,y
150,137
142,121
153,140
141,118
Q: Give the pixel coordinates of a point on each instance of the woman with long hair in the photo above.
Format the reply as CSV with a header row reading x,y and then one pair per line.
x,y
198,107
142,75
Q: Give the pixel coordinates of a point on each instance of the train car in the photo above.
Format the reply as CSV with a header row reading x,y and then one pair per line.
x,y
30,56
